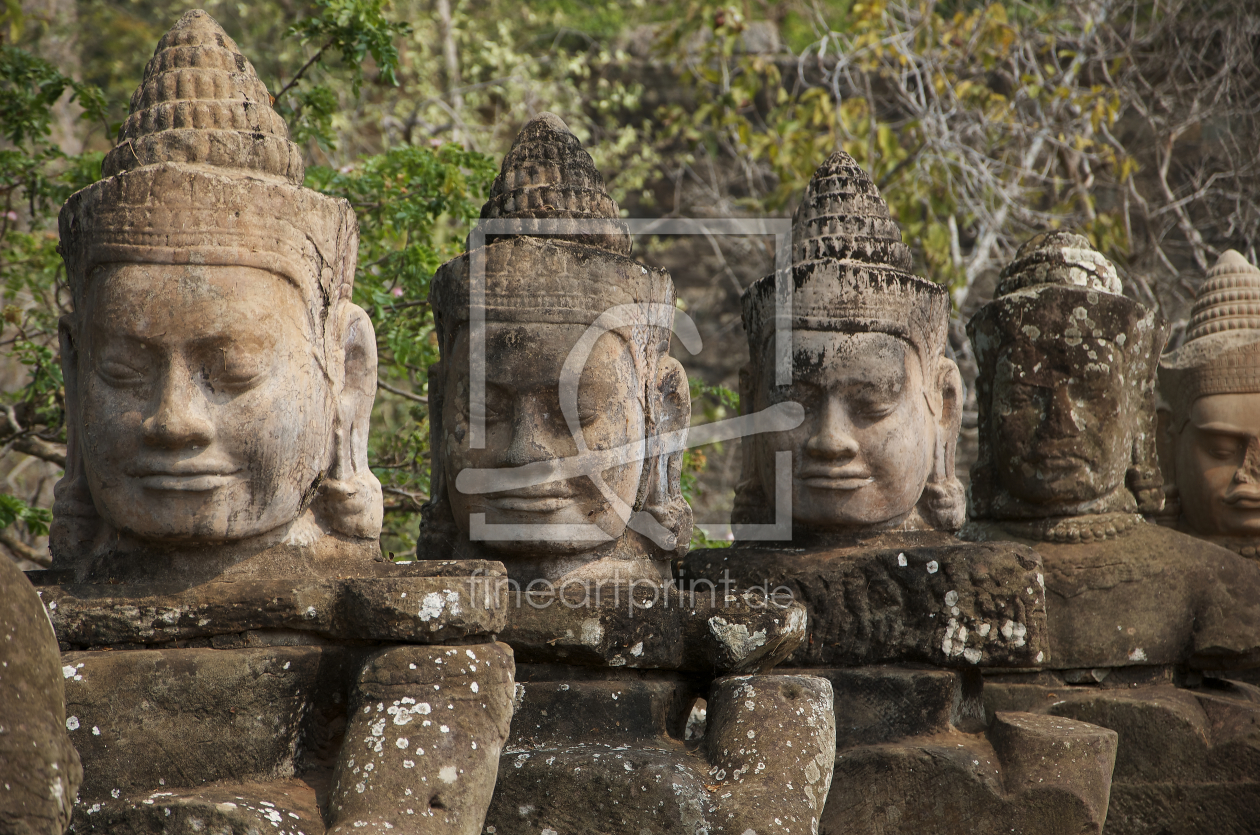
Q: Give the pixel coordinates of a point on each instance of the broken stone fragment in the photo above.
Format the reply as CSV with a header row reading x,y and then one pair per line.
x,y
404,603
605,753
955,605
39,768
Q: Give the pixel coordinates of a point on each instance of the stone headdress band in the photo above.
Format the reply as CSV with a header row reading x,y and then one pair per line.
x,y
1060,290
850,297
172,213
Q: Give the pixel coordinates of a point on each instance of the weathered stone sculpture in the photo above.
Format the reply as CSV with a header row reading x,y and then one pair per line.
x,y
218,519
1209,432
218,378
541,296
874,502
39,768
882,402
573,482
1135,611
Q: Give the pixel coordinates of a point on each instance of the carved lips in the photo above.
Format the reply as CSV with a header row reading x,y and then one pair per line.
x,y
841,478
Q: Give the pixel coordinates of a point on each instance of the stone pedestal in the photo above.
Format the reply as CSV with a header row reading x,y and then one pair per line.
x,y
606,754
1187,760
599,737
369,703
901,625
915,754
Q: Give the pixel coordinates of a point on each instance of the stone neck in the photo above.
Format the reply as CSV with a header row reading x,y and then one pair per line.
x,y
1244,546
1079,528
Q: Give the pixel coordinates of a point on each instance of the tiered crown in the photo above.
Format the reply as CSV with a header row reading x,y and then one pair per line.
x,y
201,102
547,174
1221,352
204,173
1228,300
1059,259
1059,288
850,268
843,217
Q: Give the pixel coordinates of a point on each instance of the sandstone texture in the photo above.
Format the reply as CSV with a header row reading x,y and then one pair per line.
x,y
39,768
1067,464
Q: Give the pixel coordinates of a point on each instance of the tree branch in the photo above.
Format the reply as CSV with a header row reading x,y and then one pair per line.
x,y
419,398
286,88
21,550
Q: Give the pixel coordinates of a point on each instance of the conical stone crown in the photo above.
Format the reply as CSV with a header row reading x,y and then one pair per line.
x,y
547,174
202,102
1228,300
843,217
1059,258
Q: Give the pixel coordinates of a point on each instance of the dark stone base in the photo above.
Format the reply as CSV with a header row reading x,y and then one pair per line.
x,y
1188,759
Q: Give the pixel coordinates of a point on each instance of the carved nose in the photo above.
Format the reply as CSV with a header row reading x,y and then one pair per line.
x,y
1060,420
1249,472
834,438
182,418
534,428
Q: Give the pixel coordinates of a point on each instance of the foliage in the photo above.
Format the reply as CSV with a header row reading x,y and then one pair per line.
x,y
356,29
982,123
36,176
13,509
412,203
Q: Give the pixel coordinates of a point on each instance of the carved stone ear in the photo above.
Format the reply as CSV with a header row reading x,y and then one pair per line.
x,y
663,499
76,523
752,506
943,505
350,500
1166,446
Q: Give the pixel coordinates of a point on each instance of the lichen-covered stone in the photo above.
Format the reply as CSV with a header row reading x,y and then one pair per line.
x,y
425,729
874,502
569,471
936,602
623,767
657,628
218,509
1067,368
39,768
400,604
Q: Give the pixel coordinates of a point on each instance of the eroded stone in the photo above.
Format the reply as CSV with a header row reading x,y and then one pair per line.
x,y
1067,463
871,554
218,504
39,768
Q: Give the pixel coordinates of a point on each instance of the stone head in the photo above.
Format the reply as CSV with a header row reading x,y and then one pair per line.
x,y
1065,389
882,403
553,392
219,380
1209,415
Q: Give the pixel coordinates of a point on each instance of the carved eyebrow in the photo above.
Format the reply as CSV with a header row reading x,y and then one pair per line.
x,y
1224,429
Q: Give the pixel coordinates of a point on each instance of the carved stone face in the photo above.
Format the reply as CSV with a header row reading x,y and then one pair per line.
x,y
525,425
206,413
865,449
1062,420
1217,456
